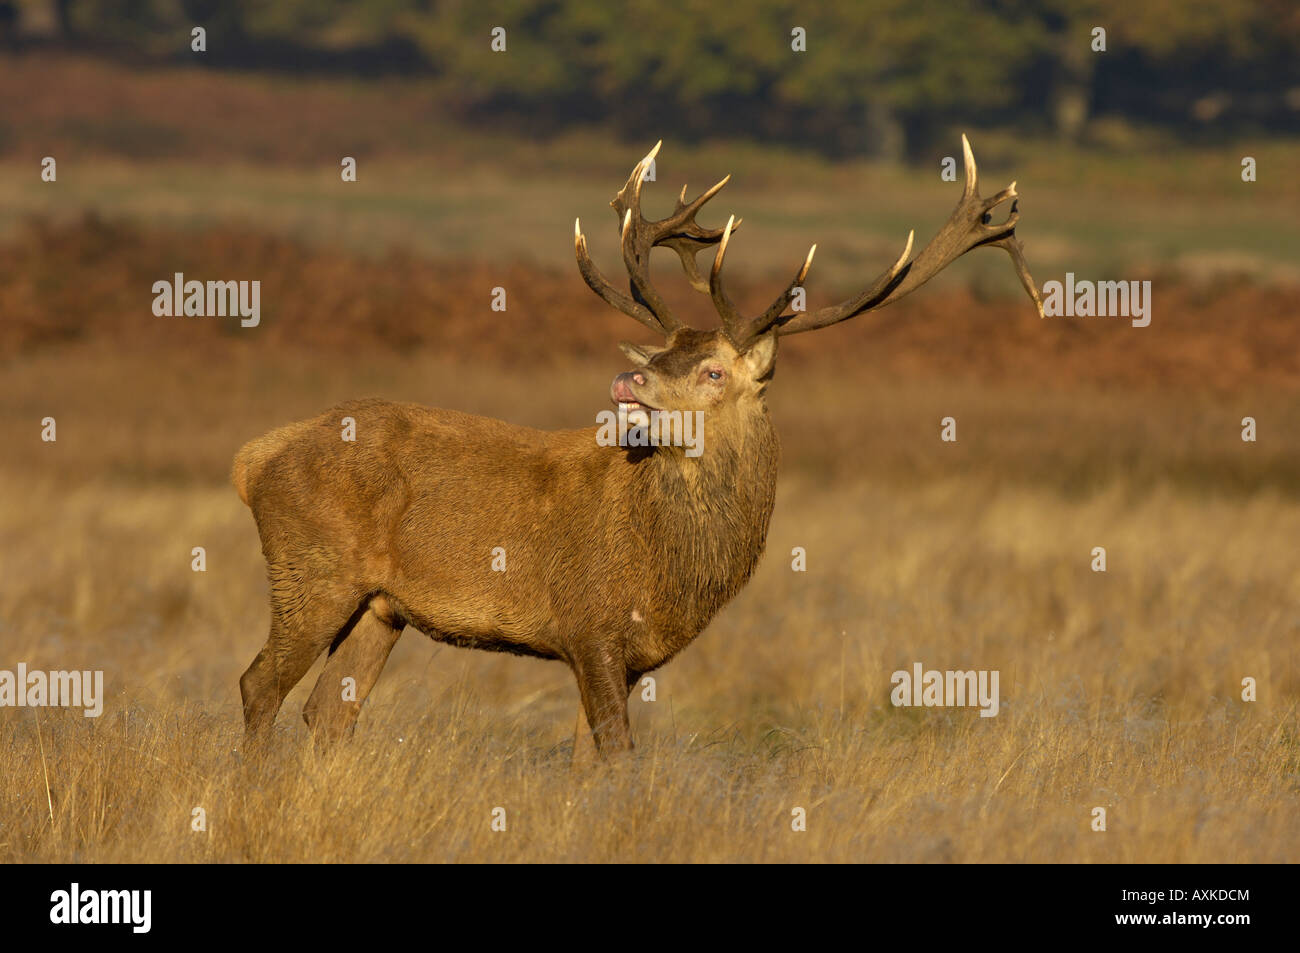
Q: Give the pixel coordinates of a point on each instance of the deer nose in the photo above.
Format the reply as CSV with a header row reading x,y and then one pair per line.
x,y
620,392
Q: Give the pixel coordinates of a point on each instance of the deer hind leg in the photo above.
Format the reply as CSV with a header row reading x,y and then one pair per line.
x,y
584,745
305,619
602,683
360,654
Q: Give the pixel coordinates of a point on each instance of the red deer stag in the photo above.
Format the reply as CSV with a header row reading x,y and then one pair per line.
x,y
615,556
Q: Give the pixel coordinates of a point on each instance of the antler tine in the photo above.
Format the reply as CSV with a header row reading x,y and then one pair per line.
x,y
749,331
1016,249
638,236
636,240
778,306
967,227
731,320
689,209
874,294
598,283
679,230
692,238
972,175
740,330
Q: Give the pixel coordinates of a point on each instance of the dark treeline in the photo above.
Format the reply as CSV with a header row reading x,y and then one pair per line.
x,y
882,77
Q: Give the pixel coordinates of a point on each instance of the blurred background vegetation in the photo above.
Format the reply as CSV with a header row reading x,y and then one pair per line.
x,y
884,79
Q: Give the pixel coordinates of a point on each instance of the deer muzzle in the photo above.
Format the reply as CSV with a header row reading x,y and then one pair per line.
x,y
632,410
621,389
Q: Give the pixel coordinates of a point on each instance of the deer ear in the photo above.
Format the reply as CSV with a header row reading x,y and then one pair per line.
x,y
639,354
761,356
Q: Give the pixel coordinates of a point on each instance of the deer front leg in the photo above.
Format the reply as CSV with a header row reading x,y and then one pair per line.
x,y
602,683
584,745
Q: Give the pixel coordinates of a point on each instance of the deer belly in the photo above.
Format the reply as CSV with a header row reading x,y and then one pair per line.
x,y
469,617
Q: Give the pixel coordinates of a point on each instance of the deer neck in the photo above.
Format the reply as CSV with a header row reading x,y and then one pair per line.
x,y
707,516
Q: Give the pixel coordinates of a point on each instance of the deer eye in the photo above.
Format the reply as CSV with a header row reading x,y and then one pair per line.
x,y
715,375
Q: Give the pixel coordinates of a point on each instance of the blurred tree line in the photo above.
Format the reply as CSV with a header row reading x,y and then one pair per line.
x,y
880,77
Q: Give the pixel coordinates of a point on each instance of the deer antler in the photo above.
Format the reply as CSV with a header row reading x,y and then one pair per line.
x,y
968,227
679,231
744,331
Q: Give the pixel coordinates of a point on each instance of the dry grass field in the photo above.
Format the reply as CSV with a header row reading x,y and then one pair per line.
x,y
1119,690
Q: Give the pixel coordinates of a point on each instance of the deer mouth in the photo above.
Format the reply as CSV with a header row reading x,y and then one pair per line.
x,y
632,410
630,405
620,392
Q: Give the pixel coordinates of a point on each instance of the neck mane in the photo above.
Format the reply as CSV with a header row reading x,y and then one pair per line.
x,y
708,525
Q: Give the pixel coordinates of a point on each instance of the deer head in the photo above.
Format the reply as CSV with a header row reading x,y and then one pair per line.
x,y
729,367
